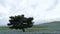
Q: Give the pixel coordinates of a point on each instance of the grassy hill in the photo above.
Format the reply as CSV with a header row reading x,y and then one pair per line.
x,y
52,26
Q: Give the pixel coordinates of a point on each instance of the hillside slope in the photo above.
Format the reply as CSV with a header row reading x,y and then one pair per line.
x,y
52,26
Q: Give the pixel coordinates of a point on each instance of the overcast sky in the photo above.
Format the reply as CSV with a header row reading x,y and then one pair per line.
x,y
41,10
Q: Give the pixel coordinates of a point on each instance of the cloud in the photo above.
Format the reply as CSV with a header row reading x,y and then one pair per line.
x,y
53,6
41,10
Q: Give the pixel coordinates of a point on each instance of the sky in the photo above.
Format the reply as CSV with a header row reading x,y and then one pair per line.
x,y
41,10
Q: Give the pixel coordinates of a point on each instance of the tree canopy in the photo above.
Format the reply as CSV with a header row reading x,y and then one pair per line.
x,y
20,22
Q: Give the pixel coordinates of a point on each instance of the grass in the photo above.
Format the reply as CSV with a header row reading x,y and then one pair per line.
x,y
32,29
4,28
40,27
7,28
27,30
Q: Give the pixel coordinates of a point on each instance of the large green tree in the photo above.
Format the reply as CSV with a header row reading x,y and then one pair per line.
x,y
20,22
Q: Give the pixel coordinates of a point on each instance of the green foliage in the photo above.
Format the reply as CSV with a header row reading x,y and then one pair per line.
x,y
20,22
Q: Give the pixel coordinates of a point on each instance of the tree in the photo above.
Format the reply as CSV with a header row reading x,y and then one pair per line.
x,y
20,22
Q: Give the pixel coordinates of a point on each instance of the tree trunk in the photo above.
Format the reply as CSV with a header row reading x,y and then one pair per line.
x,y
23,29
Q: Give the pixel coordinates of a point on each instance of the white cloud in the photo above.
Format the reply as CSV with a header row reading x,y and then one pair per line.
x,y
41,10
